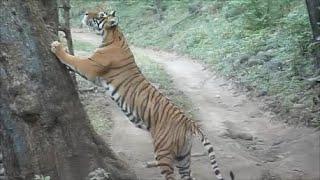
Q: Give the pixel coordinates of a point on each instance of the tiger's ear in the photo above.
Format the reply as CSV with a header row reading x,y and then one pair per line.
x,y
113,13
114,21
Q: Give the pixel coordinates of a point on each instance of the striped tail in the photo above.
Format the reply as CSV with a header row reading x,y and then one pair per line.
x,y
196,130
208,146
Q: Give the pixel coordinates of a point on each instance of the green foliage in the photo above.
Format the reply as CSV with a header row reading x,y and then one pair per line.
x,y
274,35
258,14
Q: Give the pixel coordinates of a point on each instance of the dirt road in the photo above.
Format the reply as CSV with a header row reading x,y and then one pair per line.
x,y
246,141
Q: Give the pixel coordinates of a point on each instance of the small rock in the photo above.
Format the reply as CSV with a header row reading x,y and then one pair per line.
x,y
259,142
265,55
236,105
271,159
299,106
280,156
274,65
253,61
262,93
232,12
245,136
297,170
255,114
244,59
223,84
98,174
258,164
229,156
234,132
277,142
223,134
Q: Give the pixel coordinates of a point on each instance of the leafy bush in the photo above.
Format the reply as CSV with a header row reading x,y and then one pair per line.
x,y
258,14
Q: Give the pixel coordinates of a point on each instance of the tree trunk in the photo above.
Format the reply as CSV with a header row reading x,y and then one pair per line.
x,y
65,27
313,7
43,127
158,9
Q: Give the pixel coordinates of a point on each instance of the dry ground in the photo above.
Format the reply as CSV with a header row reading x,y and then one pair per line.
x,y
245,138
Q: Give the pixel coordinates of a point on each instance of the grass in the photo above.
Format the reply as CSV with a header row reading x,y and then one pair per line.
x,y
83,46
268,54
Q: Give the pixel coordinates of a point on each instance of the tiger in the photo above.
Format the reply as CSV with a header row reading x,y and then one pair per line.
x,y
113,66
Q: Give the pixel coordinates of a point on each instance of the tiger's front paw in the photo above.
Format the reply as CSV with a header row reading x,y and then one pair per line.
x,y
56,47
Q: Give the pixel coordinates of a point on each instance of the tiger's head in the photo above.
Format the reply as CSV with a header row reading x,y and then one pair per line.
x,y
100,20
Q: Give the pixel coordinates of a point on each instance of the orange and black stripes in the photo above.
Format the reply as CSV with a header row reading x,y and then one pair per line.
x,y
143,104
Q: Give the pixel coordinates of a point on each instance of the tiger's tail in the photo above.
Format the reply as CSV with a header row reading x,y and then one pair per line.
x,y
208,146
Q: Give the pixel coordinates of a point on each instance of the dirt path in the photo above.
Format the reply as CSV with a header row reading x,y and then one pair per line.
x,y
245,139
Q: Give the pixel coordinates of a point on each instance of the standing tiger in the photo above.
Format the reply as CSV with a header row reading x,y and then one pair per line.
x,y
114,67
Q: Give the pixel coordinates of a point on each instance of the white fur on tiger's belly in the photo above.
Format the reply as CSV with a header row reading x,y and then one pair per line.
x,y
109,88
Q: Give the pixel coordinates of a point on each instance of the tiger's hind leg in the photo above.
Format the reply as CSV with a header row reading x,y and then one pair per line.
x,y
165,163
183,165
183,160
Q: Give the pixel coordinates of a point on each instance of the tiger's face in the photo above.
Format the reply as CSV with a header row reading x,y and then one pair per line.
x,y
100,20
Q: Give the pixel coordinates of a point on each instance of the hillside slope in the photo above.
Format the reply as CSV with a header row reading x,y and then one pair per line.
x,y
264,46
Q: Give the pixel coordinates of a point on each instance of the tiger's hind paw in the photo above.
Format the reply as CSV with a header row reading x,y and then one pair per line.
x,y
151,164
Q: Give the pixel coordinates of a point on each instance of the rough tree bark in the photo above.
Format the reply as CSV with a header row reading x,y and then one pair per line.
x,y
43,127
65,27
313,7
